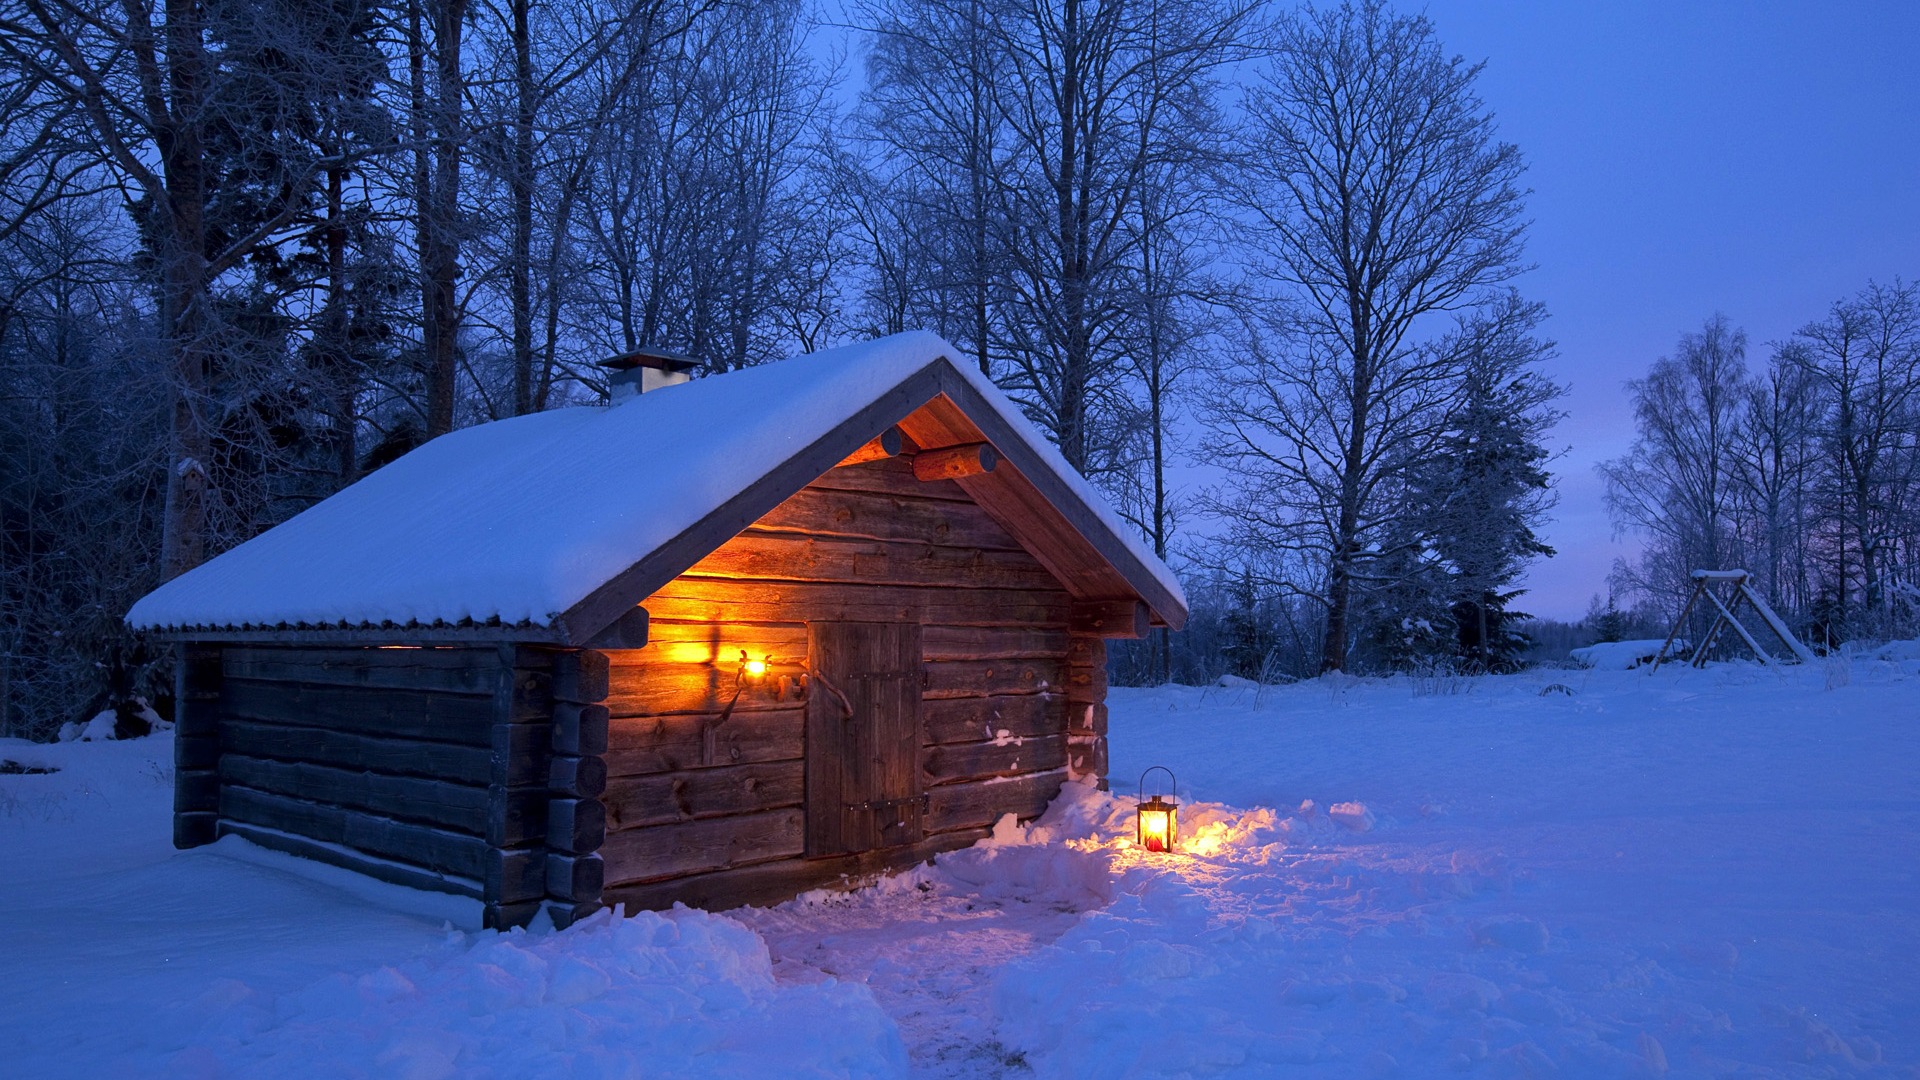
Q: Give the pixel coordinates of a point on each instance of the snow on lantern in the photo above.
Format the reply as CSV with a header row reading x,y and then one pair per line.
x,y
1157,820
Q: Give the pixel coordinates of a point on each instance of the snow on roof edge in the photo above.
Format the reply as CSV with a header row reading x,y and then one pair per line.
x,y
456,534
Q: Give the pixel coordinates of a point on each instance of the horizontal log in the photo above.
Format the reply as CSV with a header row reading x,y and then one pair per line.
x,y
437,850
584,777
696,599
580,676
403,757
412,877
195,828
198,751
663,798
962,720
657,744
576,826
757,556
671,688
822,512
893,476
1087,757
955,462
1112,618
1087,685
882,446
664,851
502,916
452,670
980,804
961,762
411,714
516,816
772,882
1085,650
516,875
992,642
984,678
580,730
1086,718
577,878
460,807
565,914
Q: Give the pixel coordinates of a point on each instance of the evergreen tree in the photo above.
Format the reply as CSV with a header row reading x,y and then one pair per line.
x,y
1483,495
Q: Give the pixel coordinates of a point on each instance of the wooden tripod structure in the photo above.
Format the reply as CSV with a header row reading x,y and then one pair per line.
x,y
1737,590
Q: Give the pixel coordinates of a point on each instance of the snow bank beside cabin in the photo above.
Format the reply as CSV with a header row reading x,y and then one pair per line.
x,y
680,993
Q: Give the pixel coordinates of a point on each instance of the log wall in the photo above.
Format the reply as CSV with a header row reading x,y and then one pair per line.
x,y
705,798
442,768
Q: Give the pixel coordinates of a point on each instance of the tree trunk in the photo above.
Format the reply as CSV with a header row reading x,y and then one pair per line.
x,y
520,271
183,289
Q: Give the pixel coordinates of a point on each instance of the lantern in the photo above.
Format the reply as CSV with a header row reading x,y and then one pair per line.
x,y
751,669
1157,821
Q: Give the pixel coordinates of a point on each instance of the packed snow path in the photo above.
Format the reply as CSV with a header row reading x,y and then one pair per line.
x,y
1702,873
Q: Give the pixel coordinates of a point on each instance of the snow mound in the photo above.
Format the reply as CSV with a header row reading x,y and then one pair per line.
x,y
679,993
1621,655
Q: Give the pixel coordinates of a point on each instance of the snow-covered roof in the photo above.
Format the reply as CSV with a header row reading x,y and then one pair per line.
x,y
516,522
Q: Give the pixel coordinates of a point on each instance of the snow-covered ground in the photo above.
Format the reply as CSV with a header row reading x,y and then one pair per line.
x,y
1576,873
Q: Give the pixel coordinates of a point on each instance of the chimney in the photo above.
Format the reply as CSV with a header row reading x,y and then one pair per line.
x,y
646,369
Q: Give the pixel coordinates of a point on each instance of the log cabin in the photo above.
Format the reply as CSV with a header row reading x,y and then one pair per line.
x,y
719,642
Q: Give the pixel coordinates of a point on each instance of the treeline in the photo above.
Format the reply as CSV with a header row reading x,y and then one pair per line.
x,y
251,250
1805,472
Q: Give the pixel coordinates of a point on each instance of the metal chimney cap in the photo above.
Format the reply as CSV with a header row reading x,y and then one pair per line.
x,y
657,359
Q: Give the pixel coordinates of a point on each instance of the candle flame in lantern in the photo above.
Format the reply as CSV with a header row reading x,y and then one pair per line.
x,y
755,668
1156,829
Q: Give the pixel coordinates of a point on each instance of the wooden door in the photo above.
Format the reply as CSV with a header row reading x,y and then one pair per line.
x,y
863,737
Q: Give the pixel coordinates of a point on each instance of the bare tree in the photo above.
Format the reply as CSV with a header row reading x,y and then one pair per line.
x,y
1382,196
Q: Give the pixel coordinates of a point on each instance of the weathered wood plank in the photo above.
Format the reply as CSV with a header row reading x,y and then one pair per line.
x,y
1085,650
412,877
952,763
980,804
433,849
579,729
757,556
962,720
672,688
1087,718
576,878
576,826
515,875
986,678
891,477
1086,685
664,798
413,714
992,642
873,516
662,851
656,744
580,676
404,757
773,882
1087,758
460,807
1111,618
583,777
452,670
696,599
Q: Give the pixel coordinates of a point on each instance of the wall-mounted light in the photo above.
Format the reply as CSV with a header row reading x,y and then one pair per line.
x,y
751,668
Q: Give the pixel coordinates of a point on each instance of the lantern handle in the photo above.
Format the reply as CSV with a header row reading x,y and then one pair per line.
x,y
1172,780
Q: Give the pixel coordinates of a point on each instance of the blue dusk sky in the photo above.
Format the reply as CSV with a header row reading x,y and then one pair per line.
x,y
1756,159
1759,160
